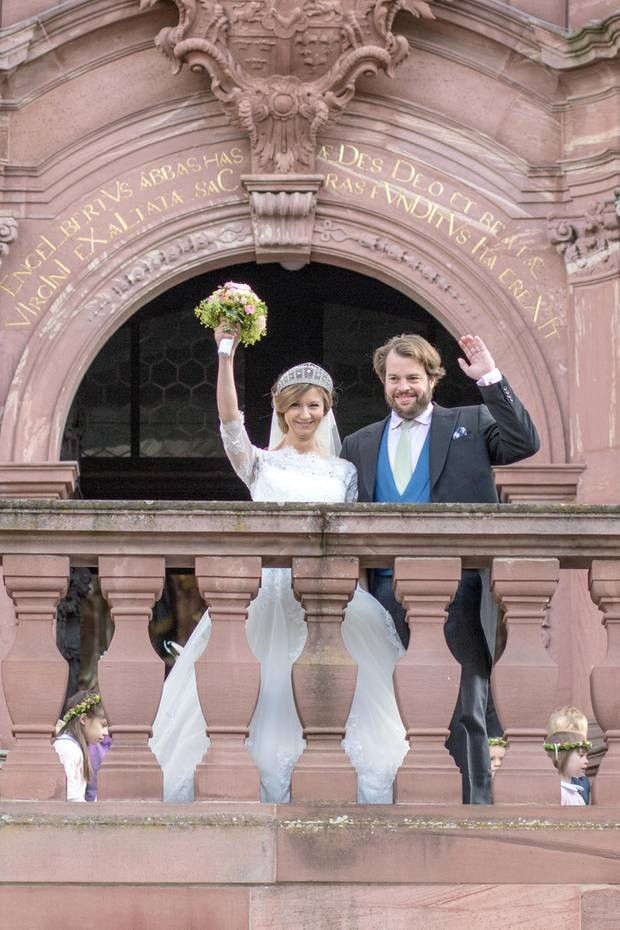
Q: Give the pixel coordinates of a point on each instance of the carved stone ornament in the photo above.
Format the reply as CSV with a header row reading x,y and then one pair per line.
x,y
282,209
8,234
282,69
590,246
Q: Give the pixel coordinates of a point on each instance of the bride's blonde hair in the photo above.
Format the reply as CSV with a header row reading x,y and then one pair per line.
x,y
290,395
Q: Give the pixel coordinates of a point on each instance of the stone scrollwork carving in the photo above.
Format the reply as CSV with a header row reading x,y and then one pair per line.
x,y
590,245
282,69
327,231
157,262
8,234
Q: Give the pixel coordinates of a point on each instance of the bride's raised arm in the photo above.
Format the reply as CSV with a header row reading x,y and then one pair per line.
x,y
238,448
226,396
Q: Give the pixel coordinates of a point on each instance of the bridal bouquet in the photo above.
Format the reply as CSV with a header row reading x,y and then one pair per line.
x,y
239,304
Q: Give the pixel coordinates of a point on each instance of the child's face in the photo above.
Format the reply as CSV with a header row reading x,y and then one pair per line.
x,y
95,728
576,764
497,754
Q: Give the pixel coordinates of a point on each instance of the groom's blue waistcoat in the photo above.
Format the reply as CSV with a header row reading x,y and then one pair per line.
x,y
418,491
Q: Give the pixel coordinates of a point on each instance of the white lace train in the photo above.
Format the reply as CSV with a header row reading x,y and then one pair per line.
x,y
276,633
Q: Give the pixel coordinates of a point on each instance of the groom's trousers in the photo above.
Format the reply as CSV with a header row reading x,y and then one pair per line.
x,y
467,742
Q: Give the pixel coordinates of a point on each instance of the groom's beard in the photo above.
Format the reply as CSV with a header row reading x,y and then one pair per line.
x,y
411,411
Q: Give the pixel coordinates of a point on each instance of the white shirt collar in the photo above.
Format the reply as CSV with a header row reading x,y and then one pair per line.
x,y
424,417
577,789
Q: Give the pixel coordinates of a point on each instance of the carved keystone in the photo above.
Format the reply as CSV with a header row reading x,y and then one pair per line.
x,y
324,678
282,208
426,681
525,681
227,678
34,676
131,676
605,678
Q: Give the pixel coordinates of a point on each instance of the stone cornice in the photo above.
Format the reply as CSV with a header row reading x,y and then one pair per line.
x,y
535,38
373,532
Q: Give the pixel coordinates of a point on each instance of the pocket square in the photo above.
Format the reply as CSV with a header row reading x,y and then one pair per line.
x,y
460,433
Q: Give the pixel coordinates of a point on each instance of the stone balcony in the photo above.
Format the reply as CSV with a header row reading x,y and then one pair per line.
x,y
250,863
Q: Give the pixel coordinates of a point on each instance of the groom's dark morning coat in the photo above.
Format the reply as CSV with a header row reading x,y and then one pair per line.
x,y
498,432
464,443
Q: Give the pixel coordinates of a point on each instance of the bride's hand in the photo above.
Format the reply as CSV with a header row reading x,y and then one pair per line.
x,y
225,330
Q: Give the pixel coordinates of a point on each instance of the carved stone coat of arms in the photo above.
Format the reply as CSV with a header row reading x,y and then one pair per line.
x,y
283,68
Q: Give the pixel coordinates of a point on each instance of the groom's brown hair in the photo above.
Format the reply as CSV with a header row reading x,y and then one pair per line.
x,y
410,346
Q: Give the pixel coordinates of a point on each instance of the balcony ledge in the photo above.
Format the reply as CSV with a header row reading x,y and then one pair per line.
x,y
376,533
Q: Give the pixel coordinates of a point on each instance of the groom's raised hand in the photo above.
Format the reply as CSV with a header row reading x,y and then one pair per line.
x,y
479,359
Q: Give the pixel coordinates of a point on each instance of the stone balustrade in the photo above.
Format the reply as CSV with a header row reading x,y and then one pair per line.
x,y
131,544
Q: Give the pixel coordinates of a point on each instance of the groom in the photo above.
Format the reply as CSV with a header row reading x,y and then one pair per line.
x,y
423,453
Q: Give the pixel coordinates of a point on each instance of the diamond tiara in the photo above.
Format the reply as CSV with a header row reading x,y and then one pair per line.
x,y
308,373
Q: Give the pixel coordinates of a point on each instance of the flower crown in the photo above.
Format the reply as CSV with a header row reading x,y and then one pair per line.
x,y
498,741
91,700
308,373
568,746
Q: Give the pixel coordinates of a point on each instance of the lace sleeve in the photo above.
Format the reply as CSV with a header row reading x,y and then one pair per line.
x,y
240,451
350,495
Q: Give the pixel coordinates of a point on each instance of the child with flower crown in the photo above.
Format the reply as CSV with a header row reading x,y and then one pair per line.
x,y
567,746
83,724
569,719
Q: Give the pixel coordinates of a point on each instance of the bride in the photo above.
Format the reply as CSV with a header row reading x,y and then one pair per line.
x,y
300,465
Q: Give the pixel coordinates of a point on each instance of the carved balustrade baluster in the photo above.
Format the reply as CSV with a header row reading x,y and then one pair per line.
x,y
131,676
426,681
34,677
324,678
227,678
605,679
525,680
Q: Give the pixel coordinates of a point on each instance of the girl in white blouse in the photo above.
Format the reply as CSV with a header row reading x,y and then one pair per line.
x,y
84,722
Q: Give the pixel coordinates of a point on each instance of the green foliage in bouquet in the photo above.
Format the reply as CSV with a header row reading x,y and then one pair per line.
x,y
239,304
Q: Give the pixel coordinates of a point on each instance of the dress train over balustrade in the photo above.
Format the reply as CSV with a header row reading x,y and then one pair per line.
x,y
276,630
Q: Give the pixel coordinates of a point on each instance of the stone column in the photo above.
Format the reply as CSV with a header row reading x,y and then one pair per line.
x,y
324,679
525,681
605,679
426,681
34,675
227,678
131,676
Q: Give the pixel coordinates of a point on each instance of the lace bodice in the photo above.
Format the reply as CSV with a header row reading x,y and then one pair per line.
x,y
284,475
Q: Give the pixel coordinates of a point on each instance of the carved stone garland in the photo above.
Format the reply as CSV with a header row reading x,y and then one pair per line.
x,y
282,70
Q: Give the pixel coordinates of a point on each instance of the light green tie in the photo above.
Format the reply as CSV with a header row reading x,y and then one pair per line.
x,y
402,459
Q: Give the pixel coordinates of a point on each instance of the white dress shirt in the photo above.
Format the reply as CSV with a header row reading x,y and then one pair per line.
x,y
422,424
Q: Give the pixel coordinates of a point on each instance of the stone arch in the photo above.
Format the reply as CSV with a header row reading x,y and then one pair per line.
x,y
84,317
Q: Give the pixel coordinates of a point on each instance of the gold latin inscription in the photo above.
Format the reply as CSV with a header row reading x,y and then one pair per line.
x,y
115,210
395,182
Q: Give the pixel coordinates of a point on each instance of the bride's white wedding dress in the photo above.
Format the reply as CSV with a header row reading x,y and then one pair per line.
x,y
276,630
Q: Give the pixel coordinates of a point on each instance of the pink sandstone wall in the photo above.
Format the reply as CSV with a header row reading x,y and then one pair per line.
x,y
442,182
